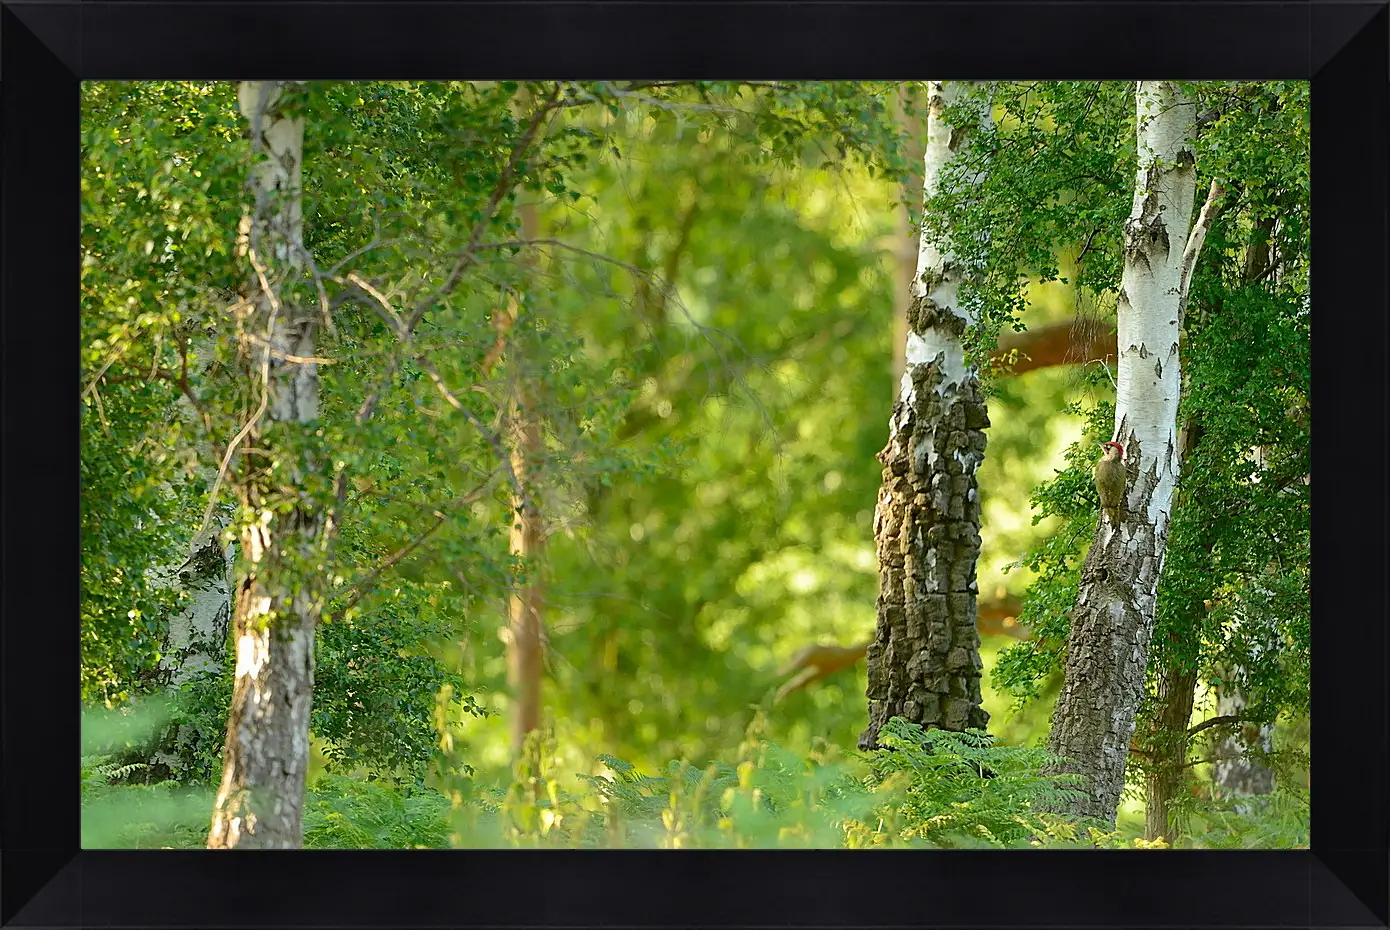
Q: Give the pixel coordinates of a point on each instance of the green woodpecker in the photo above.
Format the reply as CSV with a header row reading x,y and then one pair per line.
x,y
1110,481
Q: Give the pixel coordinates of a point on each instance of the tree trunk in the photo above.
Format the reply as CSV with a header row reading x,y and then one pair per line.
x,y
527,544
1113,619
261,798
1169,745
195,645
1238,770
905,246
1168,741
526,604
924,662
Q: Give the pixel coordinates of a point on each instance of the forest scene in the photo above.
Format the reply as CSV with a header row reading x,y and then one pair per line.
x,y
672,465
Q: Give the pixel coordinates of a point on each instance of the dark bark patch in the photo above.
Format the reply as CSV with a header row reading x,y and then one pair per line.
x,y
925,314
924,663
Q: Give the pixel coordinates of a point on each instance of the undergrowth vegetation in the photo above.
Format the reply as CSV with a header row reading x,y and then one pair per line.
x,y
924,789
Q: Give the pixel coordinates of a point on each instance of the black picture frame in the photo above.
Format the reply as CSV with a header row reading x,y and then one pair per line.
x,y
46,47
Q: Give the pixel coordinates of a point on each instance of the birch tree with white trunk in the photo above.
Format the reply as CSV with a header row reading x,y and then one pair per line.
x,y
1113,619
924,662
196,640
260,801
905,243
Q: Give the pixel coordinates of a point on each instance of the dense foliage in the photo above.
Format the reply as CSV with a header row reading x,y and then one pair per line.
x,y
1233,605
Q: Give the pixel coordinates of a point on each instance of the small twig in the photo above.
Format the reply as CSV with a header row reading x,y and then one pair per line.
x,y
1106,368
187,389
143,379
315,273
1087,247
247,427
358,253
303,359
154,356
645,274
92,384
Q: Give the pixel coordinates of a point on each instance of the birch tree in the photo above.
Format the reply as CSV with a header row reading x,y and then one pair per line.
x,y
1113,619
196,640
924,662
260,801
910,117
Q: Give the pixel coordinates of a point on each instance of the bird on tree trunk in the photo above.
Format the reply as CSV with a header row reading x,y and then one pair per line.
x,y
1110,481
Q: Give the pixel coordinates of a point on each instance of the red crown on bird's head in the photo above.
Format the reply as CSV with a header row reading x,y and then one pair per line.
x,y
1119,448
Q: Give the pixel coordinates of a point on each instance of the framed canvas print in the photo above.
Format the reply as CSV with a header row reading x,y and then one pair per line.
x,y
740,464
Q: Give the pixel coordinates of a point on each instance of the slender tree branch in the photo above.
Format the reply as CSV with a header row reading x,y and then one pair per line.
x,y
644,274
468,254
504,184
265,390
285,356
1196,237
390,315
1216,722
358,253
361,588
488,435
92,384
101,412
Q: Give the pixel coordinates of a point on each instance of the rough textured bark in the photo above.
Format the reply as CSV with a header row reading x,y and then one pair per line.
x,y
260,801
924,662
1113,619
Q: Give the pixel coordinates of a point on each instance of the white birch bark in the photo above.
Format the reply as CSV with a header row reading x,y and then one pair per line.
x,y
924,662
198,630
1113,619
1238,770
261,798
196,639
905,245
